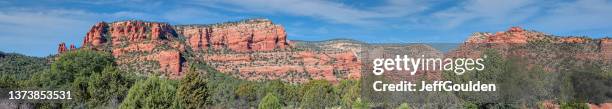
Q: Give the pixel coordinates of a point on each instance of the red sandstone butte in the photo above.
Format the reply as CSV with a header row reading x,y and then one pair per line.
x,y
252,35
62,48
514,42
136,47
514,35
139,31
257,49
144,41
572,40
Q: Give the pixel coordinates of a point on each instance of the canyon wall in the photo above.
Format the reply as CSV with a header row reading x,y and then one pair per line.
x,y
146,47
606,48
250,35
258,49
251,49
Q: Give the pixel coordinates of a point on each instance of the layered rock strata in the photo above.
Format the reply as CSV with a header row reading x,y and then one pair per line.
x,y
252,49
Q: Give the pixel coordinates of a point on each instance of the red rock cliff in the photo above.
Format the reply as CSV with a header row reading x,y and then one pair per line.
x,y
250,35
72,47
257,49
536,48
95,36
514,35
134,43
606,48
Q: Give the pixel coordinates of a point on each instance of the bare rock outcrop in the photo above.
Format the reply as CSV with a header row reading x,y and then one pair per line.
x,y
252,49
250,35
95,36
296,66
537,47
62,48
137,44
514,35
606,48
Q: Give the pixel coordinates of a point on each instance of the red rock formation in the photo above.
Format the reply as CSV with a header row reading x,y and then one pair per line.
x,y
258,50
601,106
298,66
514,35
252,35
572,40
62,48
72,47
198,38
95,36
606,48
517,35
139,31
139,39
170,61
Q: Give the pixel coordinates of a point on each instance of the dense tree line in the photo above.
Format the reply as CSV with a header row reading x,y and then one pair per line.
x,y
96,82
521,86
17,68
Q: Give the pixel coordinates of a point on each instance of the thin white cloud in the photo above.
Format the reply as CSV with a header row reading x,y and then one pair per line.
x,y
32,32
580,15
487,12
194,16
326,10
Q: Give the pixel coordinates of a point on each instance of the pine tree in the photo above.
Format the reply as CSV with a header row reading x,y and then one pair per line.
x,y
192,92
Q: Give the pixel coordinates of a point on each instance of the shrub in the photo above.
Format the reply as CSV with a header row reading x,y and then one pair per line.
x,y
152,93
319,94
270,101
403,106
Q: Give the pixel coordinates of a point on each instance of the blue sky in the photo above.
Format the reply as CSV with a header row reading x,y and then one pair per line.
x,y
36,27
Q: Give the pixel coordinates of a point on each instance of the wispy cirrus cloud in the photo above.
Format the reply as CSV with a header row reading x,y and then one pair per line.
x,y
194,15
577,17
334,12
486,12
